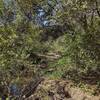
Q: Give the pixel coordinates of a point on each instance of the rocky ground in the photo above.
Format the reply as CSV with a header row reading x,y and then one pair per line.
x,y
59,90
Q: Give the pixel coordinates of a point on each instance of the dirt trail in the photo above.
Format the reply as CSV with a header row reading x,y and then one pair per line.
x,y
59,90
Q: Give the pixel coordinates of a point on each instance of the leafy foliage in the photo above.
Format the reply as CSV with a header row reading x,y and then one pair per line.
x,y
70,27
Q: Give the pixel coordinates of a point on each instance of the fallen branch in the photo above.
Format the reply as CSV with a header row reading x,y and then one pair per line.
x,y
30,89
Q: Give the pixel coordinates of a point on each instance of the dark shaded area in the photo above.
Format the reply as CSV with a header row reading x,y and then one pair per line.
x,y
56,31
91,77
35,58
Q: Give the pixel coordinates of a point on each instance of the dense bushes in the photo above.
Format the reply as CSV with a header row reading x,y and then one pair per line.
x,y
76,35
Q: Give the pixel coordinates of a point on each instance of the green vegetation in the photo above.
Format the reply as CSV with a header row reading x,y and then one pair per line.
x,y
75,36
